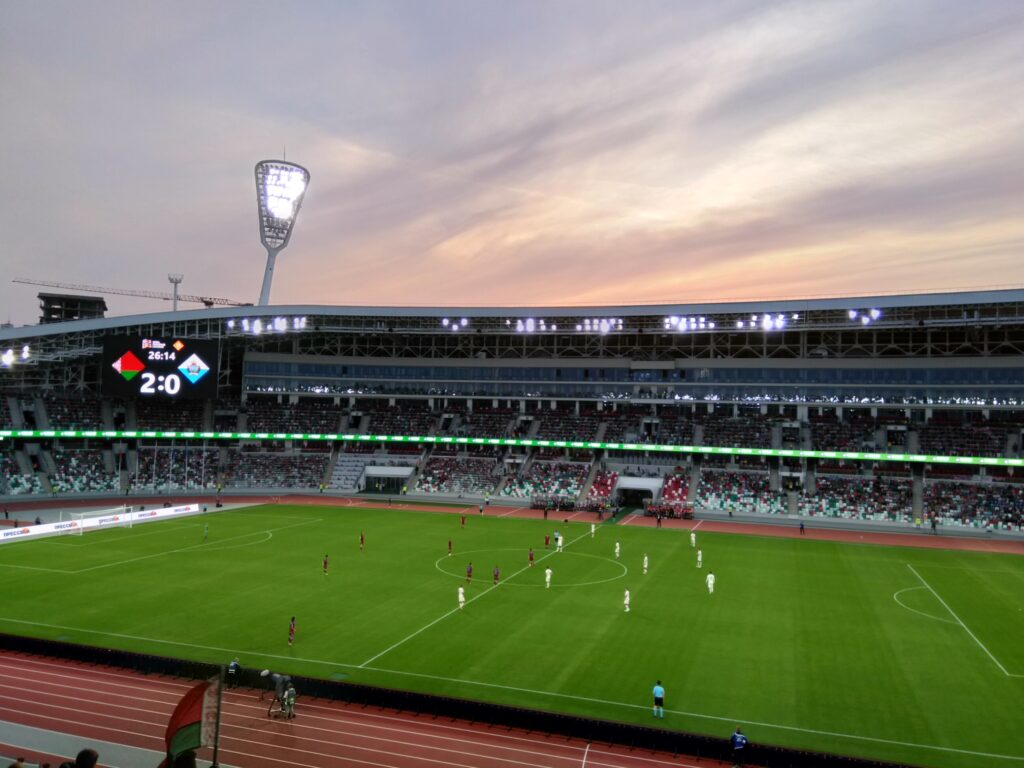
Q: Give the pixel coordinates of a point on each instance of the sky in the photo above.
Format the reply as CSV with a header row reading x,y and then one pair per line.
x,y
483,153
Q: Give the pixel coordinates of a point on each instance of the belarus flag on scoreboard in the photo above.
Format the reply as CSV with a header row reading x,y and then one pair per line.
x,y
193,723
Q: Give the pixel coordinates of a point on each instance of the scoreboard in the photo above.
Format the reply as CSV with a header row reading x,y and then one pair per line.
x,y
165,368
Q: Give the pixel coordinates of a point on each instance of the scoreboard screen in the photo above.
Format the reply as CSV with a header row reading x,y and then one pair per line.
x,y
166,368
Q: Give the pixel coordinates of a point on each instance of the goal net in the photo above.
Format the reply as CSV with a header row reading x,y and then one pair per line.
x,y
116,517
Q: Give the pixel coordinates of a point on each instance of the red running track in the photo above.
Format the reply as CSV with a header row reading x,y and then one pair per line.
x,y
123,707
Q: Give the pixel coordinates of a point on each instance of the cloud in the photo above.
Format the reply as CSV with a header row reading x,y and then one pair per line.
x,y
495,154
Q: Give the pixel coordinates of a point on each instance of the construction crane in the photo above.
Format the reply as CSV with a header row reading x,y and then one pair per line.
x,y
209,301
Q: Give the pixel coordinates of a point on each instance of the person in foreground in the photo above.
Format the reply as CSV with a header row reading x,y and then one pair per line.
x,y
739,747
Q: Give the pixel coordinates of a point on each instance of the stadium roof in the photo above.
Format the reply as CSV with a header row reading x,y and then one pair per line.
x,y
907,301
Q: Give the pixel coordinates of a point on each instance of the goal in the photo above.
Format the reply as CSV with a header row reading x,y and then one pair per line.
x,y
116,517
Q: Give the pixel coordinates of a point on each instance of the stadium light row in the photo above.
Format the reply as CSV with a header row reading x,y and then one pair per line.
x,y
708,450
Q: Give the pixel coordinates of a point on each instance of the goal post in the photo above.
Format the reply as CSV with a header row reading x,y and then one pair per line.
x,y
116,517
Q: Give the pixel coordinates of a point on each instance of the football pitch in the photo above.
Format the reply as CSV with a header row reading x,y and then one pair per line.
x,y
910,655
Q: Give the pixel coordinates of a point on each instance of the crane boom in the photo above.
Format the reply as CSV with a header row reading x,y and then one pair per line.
x,y
207,300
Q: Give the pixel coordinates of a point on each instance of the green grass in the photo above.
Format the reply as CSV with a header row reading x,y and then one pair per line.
x,y
803,643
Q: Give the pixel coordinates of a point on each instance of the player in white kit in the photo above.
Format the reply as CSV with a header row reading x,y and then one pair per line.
x,y
645,563
625,601
700,558
617,550
547,578
710,581
693,539
462,598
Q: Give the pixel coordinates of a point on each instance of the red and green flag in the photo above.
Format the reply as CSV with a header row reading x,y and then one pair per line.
x,y
193,723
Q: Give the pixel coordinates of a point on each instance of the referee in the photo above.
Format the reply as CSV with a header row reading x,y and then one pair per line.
x,y
659,700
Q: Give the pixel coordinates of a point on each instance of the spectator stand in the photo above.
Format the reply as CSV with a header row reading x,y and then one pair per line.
x,y
747,492
860,498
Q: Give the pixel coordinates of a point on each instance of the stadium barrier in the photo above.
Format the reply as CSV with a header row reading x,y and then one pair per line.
x,y
20,533
570,726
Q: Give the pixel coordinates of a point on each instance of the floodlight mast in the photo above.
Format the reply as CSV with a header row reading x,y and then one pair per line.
x,y
280,187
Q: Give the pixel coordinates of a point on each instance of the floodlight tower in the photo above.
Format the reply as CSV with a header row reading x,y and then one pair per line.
x,y
280,187
175,279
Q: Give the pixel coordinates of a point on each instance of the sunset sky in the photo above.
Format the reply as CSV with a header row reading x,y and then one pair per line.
x,y
514,152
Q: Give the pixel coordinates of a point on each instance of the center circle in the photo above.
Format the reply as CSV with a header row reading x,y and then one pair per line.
x,y
518,576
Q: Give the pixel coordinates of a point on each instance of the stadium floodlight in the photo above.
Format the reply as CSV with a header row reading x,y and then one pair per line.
x,y
280,187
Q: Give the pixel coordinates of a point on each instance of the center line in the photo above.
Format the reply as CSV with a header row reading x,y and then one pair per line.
x,y
456,610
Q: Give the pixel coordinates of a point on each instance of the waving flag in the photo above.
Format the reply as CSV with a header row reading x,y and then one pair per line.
x,y
193,723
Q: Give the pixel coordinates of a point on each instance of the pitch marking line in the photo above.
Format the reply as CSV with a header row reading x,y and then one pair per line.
x,y
896,597
456,610
192,547
698,525
961,623
33,568
401,673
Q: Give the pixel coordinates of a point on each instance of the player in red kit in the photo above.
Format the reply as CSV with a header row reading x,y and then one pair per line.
x,y
291,631
469,572
449,547
362,541
463,521
326,562
497,574
531,557
547,541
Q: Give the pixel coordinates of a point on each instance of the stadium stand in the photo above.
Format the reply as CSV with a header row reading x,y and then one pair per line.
x,y
13,482
860,498
975,505
408,419
348,469
854,433
485,422
951,435
82,471
285,470
306,415
458,476
548,478
161,469
70,412
739,491
746,428
181,416
604,485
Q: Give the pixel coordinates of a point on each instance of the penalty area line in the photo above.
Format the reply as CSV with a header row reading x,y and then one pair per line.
x,y
961,623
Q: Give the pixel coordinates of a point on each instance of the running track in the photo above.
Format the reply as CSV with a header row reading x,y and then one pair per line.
x,y
114,705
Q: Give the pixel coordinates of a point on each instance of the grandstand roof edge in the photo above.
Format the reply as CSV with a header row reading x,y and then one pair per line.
x,y
780,305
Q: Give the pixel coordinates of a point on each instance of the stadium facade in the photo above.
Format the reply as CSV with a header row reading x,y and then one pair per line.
x,y
901,388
